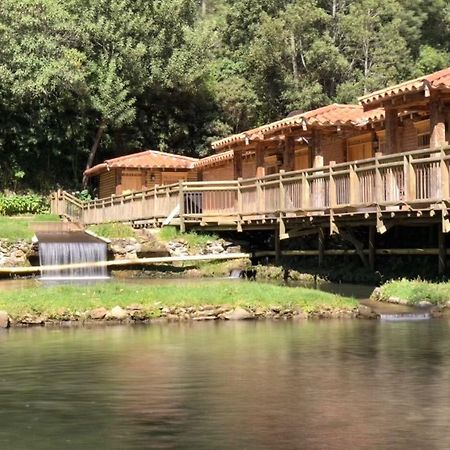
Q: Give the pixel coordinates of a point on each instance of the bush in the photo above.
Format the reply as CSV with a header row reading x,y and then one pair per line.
x,y
23,204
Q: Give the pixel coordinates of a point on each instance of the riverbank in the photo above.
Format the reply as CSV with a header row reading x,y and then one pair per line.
x,y
113,302
414,293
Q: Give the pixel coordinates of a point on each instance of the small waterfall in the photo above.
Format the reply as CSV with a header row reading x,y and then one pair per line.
x,y
409,317
71,248
236,273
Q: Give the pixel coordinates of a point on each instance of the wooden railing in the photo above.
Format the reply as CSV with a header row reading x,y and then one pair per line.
x,y
418,178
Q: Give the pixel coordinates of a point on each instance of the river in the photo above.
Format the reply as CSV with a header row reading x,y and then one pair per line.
x,y
331,384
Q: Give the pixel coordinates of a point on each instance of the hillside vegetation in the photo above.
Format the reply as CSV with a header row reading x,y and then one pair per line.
x,y
94,79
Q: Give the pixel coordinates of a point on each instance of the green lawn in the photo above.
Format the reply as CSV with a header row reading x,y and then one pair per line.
x,y
52,300
17,227
415,291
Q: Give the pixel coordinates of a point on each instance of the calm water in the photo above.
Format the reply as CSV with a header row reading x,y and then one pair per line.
x,y
263,385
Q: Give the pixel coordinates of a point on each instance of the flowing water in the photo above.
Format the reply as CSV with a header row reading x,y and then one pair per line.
x,y
71,248
263,385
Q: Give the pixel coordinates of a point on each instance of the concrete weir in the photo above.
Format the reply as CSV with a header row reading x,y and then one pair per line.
x,y
59,246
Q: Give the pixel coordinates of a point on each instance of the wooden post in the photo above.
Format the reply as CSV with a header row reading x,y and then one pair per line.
x,y
437,124
306,197
442,263
332,188
277,246
181,203
372,248
259,154
444,178
354,186
321,238
237,164
378,180
239,197
289,154
391,125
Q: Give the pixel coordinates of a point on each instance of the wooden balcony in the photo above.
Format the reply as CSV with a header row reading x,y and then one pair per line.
x,y
382,191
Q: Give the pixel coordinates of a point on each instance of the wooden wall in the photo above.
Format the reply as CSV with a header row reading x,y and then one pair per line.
x,y
119,181
107,184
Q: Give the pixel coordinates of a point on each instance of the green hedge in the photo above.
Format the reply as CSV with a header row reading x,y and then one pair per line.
x,y
23,204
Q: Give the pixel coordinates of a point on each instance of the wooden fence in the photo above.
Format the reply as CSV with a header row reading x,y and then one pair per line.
x,y
416,180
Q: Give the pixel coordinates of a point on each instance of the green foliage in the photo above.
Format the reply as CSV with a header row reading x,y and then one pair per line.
x,y
176,74
113,230
193,240
14,204
51,300
415,291
18,227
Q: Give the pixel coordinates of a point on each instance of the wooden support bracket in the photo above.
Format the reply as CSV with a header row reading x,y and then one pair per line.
x,y
381,228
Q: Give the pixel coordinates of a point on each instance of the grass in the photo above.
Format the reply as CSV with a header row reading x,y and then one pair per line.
x,y
113,230
194,240
17,227
415,291
53,301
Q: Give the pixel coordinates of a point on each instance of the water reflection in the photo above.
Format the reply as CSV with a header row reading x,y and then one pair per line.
x,y
264,385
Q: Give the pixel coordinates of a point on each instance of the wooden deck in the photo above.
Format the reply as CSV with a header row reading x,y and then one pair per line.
x,y
380,191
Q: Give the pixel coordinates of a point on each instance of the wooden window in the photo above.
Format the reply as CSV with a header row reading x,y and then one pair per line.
x,y
302,160
423,133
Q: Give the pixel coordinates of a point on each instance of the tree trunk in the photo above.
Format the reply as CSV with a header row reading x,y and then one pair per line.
x,y
294,57
101,129
204,8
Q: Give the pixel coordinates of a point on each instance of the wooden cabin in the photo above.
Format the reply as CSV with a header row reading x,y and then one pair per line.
x,y
139,171
410,116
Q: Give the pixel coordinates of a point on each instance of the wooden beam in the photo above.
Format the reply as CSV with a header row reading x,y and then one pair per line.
x,y
437,124
260,168
391,126
237,163
289,154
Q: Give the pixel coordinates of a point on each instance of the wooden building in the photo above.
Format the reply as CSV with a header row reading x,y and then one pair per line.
x,y
409,116
139,171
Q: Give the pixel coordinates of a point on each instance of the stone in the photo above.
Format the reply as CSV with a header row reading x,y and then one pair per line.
x,y
98,313
234,249
239,314
376,294
117,313
4,319
366,313
424,304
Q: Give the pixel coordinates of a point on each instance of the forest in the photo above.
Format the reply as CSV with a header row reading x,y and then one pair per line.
x,y
86,80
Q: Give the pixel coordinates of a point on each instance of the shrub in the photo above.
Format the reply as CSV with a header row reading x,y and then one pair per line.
x,y
23,204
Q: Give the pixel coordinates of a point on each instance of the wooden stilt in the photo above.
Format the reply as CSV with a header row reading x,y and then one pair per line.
x,y
321,239
372,234
442,251
277,246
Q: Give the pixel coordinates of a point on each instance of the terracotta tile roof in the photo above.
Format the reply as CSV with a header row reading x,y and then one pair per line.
x,y
214,159
229,140
436,80
335,114
148,159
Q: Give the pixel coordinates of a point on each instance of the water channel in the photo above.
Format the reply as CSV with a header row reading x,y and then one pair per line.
x,y
331,384
262,385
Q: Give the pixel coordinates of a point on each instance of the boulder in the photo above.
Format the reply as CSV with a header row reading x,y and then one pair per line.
x,y
424,304
117,313
4,319
366,313
240,314
98,313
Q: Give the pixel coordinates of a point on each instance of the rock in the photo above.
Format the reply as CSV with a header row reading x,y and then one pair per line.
x,y
117,313
4,319
234,249
98,313
366,313
424,304
239,314
376,294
